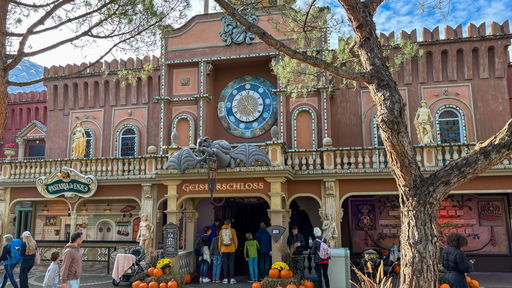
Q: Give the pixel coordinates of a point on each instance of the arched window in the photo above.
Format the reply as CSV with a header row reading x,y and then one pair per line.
x,y
304,128
450,125
127,141
89,143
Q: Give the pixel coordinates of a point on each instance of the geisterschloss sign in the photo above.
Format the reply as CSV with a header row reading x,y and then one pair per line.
x,y
67,182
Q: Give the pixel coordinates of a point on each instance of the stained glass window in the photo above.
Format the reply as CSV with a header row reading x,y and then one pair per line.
x,y
127,142
450,127
89,142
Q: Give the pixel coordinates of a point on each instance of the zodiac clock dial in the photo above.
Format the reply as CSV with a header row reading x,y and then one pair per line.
x,y
247,108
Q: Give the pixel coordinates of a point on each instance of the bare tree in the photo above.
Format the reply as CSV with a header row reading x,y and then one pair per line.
x,y
420,196
115,24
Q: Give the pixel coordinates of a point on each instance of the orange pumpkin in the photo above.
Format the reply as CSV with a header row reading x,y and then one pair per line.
x,y
256,285
188,279
151,271
158,272
468,279
162,285
153,285
309,284
474,284
143,285
291,286
396,269
287,274
136,284
273,273
444,286
172,284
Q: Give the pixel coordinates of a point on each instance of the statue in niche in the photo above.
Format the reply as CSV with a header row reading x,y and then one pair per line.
x,y
423,122
145,236
330,232
79,141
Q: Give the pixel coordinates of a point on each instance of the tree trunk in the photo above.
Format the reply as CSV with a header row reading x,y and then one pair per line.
x,y
4,5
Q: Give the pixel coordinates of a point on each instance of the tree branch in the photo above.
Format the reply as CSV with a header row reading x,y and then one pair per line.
x,y
19,3
290,52
374,4
485,156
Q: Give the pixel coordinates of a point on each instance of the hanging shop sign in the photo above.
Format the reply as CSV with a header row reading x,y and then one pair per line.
x,y
68,182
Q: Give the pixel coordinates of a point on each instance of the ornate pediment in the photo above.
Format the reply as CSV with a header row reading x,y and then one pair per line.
x,y
33,130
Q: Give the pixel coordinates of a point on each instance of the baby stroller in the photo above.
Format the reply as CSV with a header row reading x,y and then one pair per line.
x,y
135,269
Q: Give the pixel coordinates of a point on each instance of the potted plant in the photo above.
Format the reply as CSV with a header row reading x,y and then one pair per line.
x,y
165,264
10,150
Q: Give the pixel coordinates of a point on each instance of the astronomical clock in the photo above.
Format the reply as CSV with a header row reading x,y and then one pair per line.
x,y
247,108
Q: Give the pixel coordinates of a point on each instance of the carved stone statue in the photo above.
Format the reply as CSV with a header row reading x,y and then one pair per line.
x,y
423,122
79,141
174,137
233,32
330,232
274,133
221,150
145,236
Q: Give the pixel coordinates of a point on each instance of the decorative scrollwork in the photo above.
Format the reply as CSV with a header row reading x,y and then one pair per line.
x,y
233,32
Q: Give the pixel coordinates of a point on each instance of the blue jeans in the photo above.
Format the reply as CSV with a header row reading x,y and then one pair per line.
x,y
73,283
253,268
264,264
217,265
8,276
204,268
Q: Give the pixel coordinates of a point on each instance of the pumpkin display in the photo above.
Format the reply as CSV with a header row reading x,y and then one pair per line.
x,y
396,269
287,274
172,284
256,285
158,272
153,285
291,286
188,279
444,286
468,279
151,271
309,284
136,284
162,285
474,284
273,273
143,285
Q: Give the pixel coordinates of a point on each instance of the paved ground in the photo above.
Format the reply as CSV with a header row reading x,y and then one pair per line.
x,y
94,276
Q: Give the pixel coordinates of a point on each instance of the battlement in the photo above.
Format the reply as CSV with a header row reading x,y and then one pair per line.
x,y
27,97
101,67
450,33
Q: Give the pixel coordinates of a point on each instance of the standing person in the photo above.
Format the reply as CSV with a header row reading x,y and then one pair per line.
x,y
72,262
265,241
216,258
51,279
205,255
227,246
455,262
10,258
215,227
251,255
296,244
321,258
28,253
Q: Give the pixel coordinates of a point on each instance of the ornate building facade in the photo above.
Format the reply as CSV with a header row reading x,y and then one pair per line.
x,y
328,167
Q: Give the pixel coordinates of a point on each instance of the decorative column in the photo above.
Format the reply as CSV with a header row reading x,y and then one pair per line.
x,y
277,213
330,212
172,201
190,228
148,206
73,221
21,148
3,209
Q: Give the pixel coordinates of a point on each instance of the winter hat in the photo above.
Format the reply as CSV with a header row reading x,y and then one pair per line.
x,y
26,234
317,232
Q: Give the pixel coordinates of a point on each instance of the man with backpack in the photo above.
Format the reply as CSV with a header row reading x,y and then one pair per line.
x,y
10,258
321,254
227,247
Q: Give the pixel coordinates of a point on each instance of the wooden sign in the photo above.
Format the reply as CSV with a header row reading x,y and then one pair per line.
x,y
171,240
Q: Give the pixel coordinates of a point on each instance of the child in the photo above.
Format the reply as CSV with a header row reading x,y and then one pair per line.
x,y
51,279
251,255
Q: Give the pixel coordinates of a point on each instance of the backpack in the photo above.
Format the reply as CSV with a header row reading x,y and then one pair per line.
x,y
198,248
15,247
227,238
324,252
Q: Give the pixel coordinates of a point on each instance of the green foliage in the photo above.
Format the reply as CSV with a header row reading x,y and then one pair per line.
x,y
131,76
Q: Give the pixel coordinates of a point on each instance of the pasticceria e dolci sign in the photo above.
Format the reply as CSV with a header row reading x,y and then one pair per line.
x,y
67,182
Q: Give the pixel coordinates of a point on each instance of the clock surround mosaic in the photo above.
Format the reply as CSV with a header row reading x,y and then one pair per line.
x,y
247,108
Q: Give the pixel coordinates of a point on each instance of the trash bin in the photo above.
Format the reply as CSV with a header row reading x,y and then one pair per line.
x,y
339,268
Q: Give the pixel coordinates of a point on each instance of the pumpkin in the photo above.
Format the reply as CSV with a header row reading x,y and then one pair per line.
x,y
172,284
474,284
309,284
396,269
468,279
444,286
158,272
143,285
151,271
188,279
291,286
153,285
136,284
162,285
273,273
287,274
256,285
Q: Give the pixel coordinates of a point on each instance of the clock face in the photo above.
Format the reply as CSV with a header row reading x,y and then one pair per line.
x,y
247,108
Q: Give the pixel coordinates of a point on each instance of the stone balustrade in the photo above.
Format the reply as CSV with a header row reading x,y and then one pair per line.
x,y
318,161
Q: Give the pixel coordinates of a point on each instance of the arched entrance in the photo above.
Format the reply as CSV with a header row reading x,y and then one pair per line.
x,y
104,231
305,215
